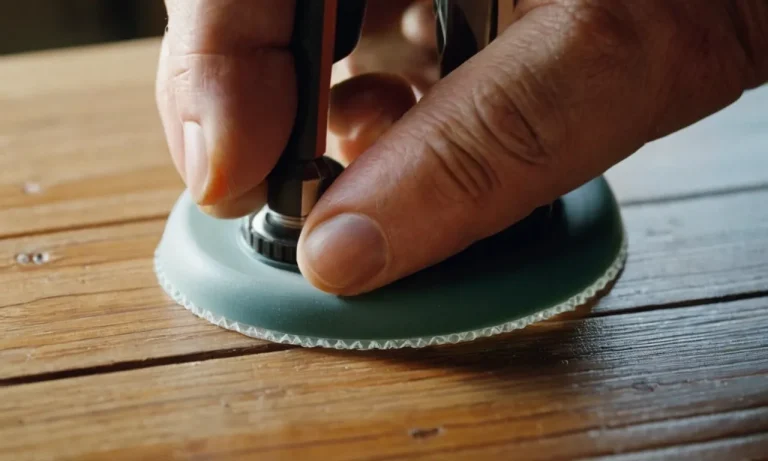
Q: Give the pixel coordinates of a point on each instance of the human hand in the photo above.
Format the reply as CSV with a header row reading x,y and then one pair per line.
x,y
226,90
570,89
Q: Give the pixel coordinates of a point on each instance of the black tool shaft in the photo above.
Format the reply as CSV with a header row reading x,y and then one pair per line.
x,y
464,28
312,44
324,32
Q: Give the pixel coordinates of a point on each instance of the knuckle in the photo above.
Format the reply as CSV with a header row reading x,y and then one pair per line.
x,y
507,134
192,74
462,175
487,134
184,77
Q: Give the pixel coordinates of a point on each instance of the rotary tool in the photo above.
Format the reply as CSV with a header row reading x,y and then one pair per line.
x,y
324,33
242,275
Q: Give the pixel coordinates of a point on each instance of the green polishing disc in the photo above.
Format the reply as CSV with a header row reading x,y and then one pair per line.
x,y
503,283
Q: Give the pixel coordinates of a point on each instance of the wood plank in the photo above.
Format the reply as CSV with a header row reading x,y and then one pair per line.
x,y
693,250
81,143
726,151
567,389
751,447
95,302
80,139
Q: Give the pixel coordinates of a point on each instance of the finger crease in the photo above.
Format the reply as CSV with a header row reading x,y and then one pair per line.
x,y
447,169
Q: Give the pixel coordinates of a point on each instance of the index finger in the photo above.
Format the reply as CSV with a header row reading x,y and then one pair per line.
x,y
226,94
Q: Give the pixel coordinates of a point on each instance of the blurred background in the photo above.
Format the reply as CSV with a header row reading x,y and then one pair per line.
x,y
31,25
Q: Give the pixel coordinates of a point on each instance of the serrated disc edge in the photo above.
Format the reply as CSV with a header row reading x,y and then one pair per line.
x,y
253,331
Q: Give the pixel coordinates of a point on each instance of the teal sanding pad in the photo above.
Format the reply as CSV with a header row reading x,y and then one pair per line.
x,y
500,284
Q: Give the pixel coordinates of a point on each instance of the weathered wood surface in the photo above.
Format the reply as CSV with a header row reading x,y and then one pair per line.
x,y
80,140
725,152
97,363
630,382
96,301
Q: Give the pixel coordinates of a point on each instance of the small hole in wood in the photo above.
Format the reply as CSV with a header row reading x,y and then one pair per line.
x,y
425,433
40,258
643,386
22,258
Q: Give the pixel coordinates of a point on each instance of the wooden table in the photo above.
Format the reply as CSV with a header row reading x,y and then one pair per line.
x,y
97,363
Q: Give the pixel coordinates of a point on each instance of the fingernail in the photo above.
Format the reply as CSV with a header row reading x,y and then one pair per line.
x,y
195,160
346,251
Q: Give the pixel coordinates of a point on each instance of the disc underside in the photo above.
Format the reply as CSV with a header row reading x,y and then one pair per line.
x,y
500,284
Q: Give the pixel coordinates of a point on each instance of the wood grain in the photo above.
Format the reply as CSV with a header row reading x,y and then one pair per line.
x,y
97,363
726,151
693,250
96,301
81,144
598,386
80,139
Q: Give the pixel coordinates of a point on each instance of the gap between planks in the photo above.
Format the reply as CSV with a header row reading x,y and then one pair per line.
x,y
267,348
254,349
660,448
80,227
606,384
261,348
752,445
694,195
676,304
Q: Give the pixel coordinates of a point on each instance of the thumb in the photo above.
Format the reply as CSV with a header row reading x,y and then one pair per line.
x,y
566,92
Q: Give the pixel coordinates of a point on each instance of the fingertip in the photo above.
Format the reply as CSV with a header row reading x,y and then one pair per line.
x,y
418,25
239,206
342,254
225,133
364,107
366,97
226,94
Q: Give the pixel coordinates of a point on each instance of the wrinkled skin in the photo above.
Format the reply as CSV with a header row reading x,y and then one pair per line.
x,y
570,89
